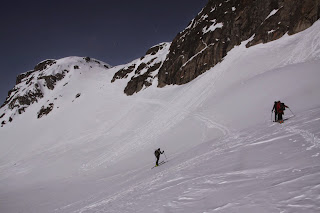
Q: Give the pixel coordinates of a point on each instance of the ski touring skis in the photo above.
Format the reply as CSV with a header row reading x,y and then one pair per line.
x,y
162,162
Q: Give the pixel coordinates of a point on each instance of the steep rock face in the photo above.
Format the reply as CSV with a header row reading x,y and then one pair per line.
x,y
39,67
27,91
143,71
45,110
223,24
33,85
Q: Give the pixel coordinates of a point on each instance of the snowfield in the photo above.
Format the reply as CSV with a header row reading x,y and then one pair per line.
x,y
94,153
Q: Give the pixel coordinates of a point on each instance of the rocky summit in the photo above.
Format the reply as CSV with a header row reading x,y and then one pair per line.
x,y
144,70
223,24
32,86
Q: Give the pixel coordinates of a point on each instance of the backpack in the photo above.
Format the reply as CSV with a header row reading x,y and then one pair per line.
x,y
278,106
156,153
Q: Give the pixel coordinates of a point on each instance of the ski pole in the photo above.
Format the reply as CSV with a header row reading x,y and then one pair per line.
x,y
271,115
165,155
291,111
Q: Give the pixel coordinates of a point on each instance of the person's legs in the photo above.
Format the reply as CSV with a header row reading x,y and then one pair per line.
x,y
280,117
157,160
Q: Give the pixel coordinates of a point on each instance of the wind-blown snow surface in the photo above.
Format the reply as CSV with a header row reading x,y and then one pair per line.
x,y
225,154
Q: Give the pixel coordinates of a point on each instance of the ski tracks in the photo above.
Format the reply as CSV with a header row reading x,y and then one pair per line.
x,y
164,113
309,137
211,124
307,128
190,183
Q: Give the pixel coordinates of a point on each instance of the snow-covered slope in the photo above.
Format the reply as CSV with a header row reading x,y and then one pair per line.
x,y
267,168
94,153
46,81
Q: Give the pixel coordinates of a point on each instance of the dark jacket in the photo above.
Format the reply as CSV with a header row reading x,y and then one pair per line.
x,y
275,107
282,107
157,153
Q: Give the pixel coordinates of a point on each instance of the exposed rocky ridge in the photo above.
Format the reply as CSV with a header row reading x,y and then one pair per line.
x,y
138,82
143,71
219,27
45,110
52,79
32,86
39,67
223,24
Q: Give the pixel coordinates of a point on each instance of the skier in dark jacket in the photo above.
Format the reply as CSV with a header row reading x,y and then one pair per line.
x,y
275,111
157,154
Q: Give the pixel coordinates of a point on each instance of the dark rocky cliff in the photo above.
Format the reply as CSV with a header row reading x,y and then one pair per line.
x,y
223,24
143,71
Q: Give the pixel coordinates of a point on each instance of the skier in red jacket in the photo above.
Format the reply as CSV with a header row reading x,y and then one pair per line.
x,y
280,107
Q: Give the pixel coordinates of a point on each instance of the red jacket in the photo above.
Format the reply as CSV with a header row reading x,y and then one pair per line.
x,y
280,108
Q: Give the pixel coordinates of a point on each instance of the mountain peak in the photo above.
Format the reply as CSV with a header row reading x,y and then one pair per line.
x,y
33,85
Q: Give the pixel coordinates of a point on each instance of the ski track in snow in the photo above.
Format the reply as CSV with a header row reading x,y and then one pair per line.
x,y
193,185
169,113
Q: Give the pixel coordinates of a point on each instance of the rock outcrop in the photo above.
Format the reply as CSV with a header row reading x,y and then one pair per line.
x,y
143,71
219,27
45,110
223,24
